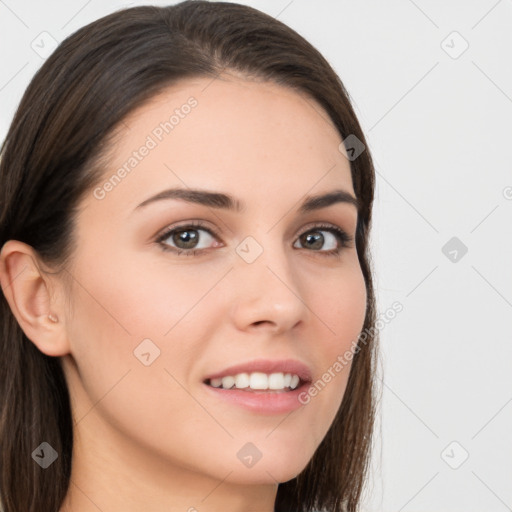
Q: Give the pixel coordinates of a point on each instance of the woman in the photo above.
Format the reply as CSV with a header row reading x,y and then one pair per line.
x,y
187,306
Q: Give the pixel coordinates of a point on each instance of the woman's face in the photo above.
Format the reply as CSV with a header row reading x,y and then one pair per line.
x,y
270,282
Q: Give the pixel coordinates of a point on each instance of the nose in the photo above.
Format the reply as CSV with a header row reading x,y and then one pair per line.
x,y
267,294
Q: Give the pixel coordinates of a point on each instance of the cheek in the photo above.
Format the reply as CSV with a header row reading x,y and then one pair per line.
x,y
128,313
137,298
342,308
125,318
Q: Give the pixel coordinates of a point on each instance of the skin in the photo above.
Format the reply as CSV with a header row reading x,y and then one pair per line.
x,y
150,437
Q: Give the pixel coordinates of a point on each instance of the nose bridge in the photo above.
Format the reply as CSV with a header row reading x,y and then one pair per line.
x,y
268,289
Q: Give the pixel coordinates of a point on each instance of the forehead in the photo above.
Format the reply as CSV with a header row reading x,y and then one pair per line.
x,y
227,134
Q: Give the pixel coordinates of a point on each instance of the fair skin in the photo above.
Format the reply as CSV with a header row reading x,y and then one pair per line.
x,y
151,437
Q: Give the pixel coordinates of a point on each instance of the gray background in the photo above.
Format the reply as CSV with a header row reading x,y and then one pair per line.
x,y
438,122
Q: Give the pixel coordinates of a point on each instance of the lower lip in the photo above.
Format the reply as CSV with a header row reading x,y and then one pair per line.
x,y
262,402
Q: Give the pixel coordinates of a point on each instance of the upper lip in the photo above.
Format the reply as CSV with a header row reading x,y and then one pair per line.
x,y
291,366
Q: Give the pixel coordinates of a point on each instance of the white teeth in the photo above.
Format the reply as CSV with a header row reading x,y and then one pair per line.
x,y
257,381
228,382
242,380
276,381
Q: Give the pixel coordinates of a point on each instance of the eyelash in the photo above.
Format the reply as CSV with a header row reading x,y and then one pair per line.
x,y
343,238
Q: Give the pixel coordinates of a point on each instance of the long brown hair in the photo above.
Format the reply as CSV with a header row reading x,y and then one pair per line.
x,y
52,156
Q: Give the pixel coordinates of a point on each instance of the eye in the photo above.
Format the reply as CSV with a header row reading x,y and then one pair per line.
x,y
335,238
186,238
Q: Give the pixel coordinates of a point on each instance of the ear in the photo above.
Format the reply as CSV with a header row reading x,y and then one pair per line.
x,y
27,290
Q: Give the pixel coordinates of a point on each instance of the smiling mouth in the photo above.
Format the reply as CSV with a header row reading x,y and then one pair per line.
x,y
277,382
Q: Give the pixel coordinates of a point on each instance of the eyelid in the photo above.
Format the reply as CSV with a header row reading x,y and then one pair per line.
x,y
325,225
184,224
346,240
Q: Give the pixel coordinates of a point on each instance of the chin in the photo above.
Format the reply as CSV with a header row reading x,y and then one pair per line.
x,y
270,469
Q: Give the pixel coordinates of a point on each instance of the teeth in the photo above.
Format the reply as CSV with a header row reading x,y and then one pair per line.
x,y
228,382
242,380
216,383
257,381
276,381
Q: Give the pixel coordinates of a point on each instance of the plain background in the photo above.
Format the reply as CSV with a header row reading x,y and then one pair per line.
x,y
431,83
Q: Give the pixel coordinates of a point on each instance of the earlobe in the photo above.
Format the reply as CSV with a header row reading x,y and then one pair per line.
x,y
27,290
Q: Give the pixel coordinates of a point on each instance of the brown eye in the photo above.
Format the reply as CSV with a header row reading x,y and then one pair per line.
x,y
187,238
317,238
312,240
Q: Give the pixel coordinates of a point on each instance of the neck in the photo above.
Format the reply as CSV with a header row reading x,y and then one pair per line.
x,y
111,472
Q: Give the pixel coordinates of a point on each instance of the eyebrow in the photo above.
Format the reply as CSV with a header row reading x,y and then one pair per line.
x,y
227,202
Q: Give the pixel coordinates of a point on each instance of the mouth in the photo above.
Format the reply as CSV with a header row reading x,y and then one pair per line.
x,y
261,386
258,382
